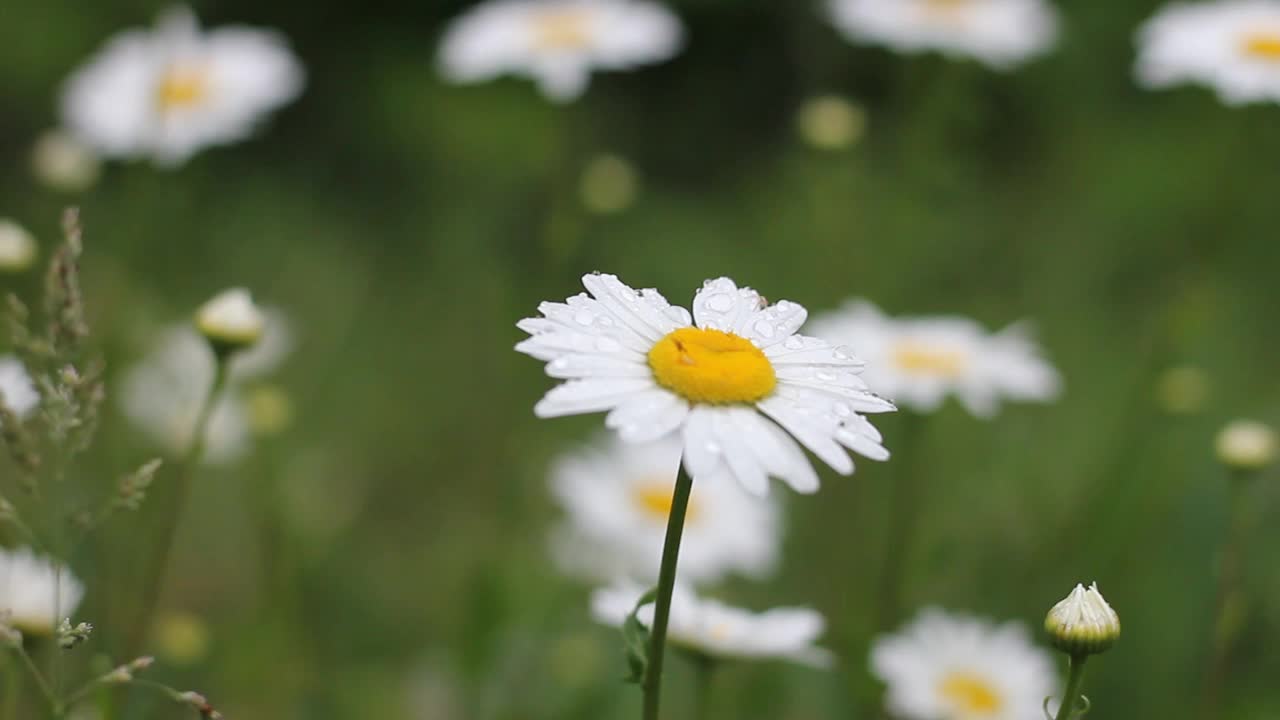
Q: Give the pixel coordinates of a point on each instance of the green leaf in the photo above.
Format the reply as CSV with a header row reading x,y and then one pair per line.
x,y
635,639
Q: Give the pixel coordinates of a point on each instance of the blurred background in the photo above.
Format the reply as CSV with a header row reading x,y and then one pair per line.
x,y
382,550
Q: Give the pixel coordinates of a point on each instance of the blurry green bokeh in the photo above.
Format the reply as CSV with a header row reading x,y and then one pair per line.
x,y
384,556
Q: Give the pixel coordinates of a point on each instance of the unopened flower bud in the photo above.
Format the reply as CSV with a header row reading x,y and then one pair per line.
x,y
830,122
230,321
1246,445
17,247
1082,623
63,163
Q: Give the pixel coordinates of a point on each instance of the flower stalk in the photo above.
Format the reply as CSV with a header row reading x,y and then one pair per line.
x,y
1075,679
652,685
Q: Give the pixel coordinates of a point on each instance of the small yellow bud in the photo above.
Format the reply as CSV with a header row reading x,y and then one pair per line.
x,y
1082,623
829,122
230,321
17,247
1246,445
63,163
609,184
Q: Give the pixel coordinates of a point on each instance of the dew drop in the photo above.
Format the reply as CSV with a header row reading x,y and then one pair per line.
x,y
842,409
793,343
584,317
844,353
713,447
560,363
763,328
825,376
720,302
607,345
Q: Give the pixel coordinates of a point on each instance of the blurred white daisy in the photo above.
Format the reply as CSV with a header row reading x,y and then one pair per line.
x,y
618,497
16,387
163,392
945,666
1232,46
918,361
716,377
33,593
998,33
712,628
167,92
64,163
557,43
18,249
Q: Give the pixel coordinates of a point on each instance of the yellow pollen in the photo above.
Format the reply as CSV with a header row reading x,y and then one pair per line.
x,y
1263,45
182,86
712,367
944,7
562,29
970,695
655,498
919,359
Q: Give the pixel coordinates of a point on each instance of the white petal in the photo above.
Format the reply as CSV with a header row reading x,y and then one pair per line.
x,y
773,324
592,395
742,462
584,366
776,450
702,450
648,416
814,430
721,305
641,313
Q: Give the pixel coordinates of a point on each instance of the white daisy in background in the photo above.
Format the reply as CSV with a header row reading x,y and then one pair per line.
x,y
32,594
167,92
557,43
16,388
732,379
1232,46
918,361
618,496
162,394
712,628
18,249
944,666
998,33
63,163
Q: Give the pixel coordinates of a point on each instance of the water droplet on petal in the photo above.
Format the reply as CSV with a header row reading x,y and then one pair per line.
x,y
825,376
584,317
793,343
842,409
605,321
712,447
720,302
607,345
763,328
560,363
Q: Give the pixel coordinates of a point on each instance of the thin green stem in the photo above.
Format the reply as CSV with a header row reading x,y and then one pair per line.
x,y
666,585
170,504
45,690
704,672
1227,597
10,690
903,521
1075,679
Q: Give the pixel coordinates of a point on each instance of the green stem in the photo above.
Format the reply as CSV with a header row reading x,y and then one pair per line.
x,y
10,690
55,707
1226,597
1075,679
171,511
666,585
704,669
903,521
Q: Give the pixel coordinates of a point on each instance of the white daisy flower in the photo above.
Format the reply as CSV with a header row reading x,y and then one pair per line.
x,y
618,497
18,249
918,361
1232,46
712,628
716,377
162,394
16,387
32,594
997,33
167,92
557,43
944,666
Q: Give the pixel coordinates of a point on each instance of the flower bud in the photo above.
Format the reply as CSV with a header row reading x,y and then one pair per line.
x,y
1082,623
230,321
17,247
1246,445
63,163
830,122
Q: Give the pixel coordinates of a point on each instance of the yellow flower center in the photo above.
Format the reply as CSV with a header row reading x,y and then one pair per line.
x,y
1263,45
712,367
562,29
945,10
920,359
654,498
970,695
182,86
